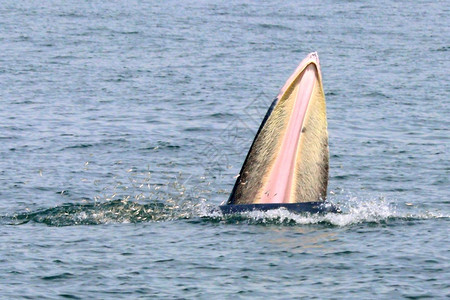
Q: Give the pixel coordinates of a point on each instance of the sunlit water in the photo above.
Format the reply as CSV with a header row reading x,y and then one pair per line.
x,y
123,126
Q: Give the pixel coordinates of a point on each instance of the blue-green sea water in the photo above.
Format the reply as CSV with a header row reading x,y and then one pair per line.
x,y
124,123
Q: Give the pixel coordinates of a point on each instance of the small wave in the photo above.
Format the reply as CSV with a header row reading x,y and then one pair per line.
x,y
443,49
274,26
78,146
58,277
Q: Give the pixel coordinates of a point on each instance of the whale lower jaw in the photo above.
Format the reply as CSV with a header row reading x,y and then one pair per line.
x,y
288,160
302,207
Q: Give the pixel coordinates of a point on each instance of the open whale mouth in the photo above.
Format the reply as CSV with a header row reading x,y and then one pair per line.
x,y
288,160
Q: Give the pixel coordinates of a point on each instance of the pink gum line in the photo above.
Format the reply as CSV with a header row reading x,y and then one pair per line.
x,y
279,186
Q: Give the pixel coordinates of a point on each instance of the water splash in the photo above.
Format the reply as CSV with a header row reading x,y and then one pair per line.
x,y
354,211
115,211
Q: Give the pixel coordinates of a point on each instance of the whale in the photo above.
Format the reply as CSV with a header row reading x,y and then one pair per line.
x,y
287,165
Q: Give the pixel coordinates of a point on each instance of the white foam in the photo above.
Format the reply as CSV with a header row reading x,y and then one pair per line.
x,y
354,211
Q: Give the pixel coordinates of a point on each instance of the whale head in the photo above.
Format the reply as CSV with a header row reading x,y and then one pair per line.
x,y
288,160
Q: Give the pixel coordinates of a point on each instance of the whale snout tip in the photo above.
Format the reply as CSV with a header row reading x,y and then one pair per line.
x,y
314,56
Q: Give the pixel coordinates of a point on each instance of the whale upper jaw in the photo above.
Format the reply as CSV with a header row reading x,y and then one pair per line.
x,y
288,160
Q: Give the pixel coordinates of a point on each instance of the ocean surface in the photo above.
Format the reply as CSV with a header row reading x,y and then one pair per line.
x,y
124,123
